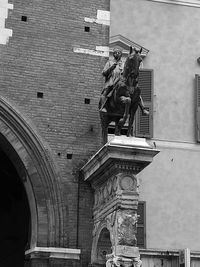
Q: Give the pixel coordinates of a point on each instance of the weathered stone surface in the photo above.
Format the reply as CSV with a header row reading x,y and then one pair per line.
x,y
126,227
127,251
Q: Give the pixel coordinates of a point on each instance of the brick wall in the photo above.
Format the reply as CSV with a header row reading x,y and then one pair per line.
x,y
57,90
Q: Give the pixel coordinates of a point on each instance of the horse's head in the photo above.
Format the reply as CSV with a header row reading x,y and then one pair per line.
x,y
131,67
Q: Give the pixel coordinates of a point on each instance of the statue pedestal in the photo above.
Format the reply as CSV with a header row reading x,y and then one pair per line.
x,y
112,173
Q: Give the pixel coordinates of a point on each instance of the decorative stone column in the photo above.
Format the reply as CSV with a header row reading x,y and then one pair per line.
x,y
112,173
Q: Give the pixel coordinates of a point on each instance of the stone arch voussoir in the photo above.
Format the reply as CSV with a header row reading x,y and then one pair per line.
x,y
34,163
99,228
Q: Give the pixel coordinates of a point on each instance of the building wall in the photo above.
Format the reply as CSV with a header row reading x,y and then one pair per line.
x,y
170,32
170,185
57,90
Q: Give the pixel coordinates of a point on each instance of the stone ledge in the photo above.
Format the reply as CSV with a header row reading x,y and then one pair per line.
x,y
165,253
128,141
53,252
159,252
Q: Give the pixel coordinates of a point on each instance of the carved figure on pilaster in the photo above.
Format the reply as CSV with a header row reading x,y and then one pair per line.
x,y
127,227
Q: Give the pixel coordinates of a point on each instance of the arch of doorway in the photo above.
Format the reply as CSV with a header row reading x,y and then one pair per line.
x,y
101,244
34,164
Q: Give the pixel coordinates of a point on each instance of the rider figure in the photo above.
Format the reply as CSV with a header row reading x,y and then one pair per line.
x,y
112,73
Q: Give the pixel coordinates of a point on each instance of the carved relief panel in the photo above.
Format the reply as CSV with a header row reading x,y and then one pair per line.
x,y
112,190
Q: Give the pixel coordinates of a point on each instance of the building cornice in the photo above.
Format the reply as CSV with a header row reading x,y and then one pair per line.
x,y
53,252
193,3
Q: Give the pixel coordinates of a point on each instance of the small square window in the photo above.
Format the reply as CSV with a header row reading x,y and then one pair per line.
x,y
69,156
87,29
24,18
40,95
87,101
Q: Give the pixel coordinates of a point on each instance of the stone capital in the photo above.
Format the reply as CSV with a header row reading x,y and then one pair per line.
x,y
120,154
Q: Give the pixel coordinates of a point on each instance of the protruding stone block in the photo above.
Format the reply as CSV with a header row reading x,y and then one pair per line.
x,y
127,251
120,154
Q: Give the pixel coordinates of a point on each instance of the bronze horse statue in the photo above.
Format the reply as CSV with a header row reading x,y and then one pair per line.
x,y
125,97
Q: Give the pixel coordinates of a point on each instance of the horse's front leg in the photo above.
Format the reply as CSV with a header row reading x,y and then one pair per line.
x,y
120,123
104,126
104,135
127,102
130,125
133,110
117,128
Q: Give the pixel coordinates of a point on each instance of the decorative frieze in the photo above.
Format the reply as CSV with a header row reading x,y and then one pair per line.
x,y
117,184
120,191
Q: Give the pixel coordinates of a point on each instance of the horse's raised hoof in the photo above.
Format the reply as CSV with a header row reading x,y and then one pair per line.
x,y
145,112
121,122
103,110
129,134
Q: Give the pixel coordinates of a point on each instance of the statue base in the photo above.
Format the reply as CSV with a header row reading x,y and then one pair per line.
x,y
112,172
126,251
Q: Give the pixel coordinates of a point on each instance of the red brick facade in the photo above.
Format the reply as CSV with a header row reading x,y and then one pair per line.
x,y
56,92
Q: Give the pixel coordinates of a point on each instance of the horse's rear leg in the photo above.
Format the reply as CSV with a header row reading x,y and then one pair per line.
x,y
117,127
120,123
131,120
130,125
104,135
104,126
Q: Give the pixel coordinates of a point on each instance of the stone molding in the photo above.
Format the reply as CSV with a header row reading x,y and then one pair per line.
x,y
159,252
193,3
53,252
166,253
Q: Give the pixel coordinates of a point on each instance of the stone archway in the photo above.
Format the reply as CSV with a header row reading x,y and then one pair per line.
x,y
104,247
15,215
33,162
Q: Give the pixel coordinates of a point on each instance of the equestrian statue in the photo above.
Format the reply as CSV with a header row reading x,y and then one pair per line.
x,y
121,94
